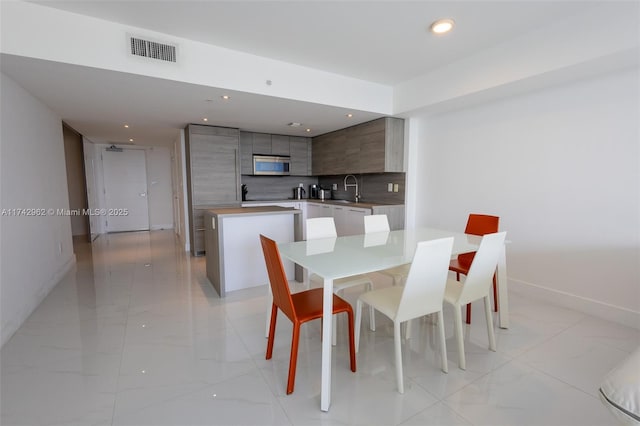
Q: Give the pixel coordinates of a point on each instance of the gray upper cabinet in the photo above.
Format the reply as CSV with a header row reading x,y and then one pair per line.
x,y
261,143
280,145
213,174
246,153
300,151
373,147
297,148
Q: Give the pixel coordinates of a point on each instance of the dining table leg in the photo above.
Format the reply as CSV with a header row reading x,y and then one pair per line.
x,y
503,298
327,310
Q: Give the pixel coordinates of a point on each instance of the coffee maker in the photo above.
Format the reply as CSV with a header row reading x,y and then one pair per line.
x,y
244,192
298,193
314,191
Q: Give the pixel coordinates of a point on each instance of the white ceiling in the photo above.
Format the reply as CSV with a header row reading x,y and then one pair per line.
x,y
385,42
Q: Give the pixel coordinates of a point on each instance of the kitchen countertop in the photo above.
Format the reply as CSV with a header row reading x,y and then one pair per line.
x,y
361,204
252,211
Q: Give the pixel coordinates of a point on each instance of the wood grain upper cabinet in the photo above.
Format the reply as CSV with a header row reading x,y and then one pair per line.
x,y
319,151
246,153
213,174
262,143
373,147
369,138
279,145
300,151
328,153
214,165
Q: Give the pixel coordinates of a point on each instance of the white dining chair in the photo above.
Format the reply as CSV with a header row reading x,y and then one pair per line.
x,y
421,295
476,286
380,223
324,228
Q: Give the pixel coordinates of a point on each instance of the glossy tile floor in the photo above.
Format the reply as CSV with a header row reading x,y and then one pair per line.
x,y
137,336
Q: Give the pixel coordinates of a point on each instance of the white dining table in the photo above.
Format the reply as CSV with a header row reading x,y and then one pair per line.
x,y
333,258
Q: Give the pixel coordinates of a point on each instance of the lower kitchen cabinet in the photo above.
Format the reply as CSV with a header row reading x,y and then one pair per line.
x,y
348,220
355,220
319,210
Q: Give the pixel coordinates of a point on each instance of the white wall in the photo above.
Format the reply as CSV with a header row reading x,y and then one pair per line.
x,y
560,167
35,252
160,188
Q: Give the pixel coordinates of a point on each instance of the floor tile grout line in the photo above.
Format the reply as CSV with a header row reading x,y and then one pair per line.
x,y
126,328
262,375
557,379
124,337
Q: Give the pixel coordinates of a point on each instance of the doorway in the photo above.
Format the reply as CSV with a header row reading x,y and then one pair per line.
x,y
76,182
125,183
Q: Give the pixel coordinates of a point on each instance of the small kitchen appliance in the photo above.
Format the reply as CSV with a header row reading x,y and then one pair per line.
x,y
298,193
271,165
244,192
324,194
313,191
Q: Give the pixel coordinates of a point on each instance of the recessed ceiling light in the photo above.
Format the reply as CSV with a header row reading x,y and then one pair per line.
x,y
308,130
349,115
294,124
130,139
225,97
442,26
205,119
126,126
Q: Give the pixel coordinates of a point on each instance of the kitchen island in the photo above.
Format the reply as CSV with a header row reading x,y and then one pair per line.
x,y
234,258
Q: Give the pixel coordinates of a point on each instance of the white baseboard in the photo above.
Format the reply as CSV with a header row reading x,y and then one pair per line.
x,y
593,307
9,328
159,227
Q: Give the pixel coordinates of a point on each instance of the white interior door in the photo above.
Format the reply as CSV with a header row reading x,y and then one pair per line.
x,y
125,184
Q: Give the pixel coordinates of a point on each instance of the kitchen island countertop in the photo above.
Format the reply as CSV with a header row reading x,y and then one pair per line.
x,y
258,210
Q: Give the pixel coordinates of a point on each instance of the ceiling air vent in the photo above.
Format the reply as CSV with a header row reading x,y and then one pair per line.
x,y
152,49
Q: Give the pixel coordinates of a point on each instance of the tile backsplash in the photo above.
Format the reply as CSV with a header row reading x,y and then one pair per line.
x,y
373,187
275,187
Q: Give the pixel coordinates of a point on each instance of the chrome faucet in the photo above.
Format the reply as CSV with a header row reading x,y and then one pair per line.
x,y
347,185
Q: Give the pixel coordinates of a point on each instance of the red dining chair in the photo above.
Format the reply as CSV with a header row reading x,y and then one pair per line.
x,y
298,307
477,224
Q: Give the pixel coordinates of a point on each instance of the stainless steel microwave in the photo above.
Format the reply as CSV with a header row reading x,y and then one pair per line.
x,y
271,165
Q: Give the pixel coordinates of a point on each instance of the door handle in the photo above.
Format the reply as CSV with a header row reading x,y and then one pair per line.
x,y
143,194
